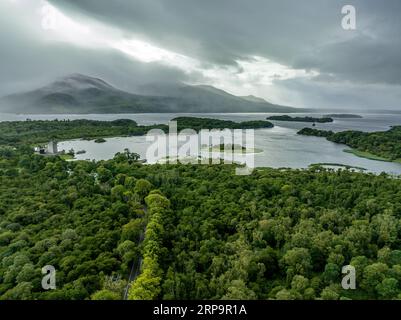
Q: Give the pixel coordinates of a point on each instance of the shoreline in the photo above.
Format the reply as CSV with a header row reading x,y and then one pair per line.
x,y
346,166
370,156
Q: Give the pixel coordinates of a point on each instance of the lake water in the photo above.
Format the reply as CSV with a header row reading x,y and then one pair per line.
x,y
369,122
281,146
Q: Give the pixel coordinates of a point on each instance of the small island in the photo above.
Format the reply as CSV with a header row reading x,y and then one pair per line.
x,y
231,148
300,119
344,116
198,124
100,140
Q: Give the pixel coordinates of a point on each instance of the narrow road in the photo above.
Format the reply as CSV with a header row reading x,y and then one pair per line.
x,y
136,265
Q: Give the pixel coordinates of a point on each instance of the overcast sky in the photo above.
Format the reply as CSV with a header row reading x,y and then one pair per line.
x,y
289,52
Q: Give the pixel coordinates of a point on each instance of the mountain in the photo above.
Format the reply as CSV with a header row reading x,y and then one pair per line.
x,y
77,93
208,99
253,99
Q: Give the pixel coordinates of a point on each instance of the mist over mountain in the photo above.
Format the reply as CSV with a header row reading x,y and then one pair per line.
x,y
77,93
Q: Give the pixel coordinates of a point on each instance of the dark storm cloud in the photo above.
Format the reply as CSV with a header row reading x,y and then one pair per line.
x,y
28,61
302,34
61,59
360,68
217,31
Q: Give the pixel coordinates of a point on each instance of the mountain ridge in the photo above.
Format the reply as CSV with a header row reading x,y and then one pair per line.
x,y
78,93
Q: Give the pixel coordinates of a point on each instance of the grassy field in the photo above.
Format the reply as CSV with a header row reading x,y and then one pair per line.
x,y
368,155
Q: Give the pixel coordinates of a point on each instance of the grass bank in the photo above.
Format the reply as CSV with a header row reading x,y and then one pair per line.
x,y
368,155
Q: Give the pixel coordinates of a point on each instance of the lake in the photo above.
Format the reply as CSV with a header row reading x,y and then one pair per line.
x,y
281,146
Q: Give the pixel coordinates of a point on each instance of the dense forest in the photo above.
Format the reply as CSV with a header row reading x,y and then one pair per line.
x,y
300,119
39,131
208,234
385,144
31,132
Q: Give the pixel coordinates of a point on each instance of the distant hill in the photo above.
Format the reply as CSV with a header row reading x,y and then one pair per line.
x,y
254,99
208,99
300,119
344,116
79,93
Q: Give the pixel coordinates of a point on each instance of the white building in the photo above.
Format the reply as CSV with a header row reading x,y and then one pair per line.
x,y
52,147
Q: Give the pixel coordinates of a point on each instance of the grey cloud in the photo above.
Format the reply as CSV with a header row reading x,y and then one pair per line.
x,y
341,95
60,59
356,67
291,32
27,61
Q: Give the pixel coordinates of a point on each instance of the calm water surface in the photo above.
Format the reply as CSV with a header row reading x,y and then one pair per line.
x,y
281,146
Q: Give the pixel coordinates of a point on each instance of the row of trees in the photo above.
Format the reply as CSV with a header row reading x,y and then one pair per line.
x,y
147,285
